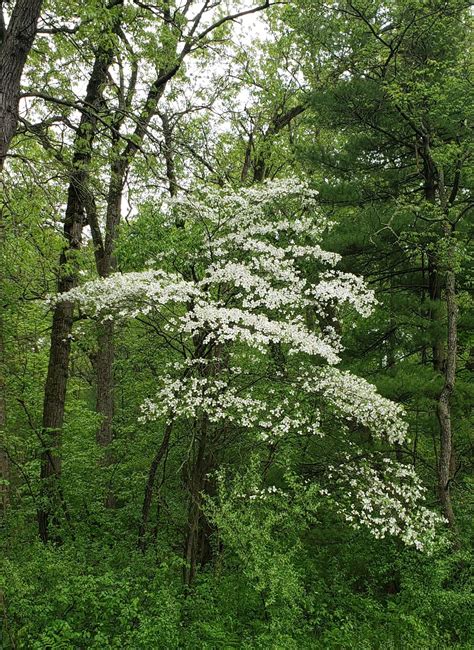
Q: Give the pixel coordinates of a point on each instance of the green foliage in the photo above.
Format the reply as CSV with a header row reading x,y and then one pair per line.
x,y
384,89
265,592
58,600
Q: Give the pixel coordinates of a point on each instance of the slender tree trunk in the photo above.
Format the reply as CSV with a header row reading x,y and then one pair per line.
x,y
105,382
105,263
104,360
4,461
147,499
444,352
169,155
423,314
444,402
434,278
446,469
196,539
56,380
197,547
436,311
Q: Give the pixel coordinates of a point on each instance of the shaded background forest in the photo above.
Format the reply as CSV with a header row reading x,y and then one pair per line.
x,y
123,103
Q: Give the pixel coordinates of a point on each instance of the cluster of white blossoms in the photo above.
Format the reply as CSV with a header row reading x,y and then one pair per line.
x,y
383,496
191,396
355,399
126,295
224,324
252,269
336,287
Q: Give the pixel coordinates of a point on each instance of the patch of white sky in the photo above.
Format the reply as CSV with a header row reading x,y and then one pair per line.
x,y
206,76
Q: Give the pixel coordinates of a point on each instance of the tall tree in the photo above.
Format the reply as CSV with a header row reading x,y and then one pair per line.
x,y
74,221
397,109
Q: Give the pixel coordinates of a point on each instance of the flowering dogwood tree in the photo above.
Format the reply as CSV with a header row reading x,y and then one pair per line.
x,y
250,307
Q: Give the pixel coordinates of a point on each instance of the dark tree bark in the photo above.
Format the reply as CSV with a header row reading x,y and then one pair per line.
x,y
203,460
447,462
435,311
434,278
169,155
105,336
15,44
197,549
278,123
56,380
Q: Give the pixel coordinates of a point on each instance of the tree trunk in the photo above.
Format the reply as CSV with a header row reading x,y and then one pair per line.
x,y
277,124
105,382
434,280
446,468
444,406
435,313
169,155
147,499
4,460
105,264
56,380
444,352
197,546
15,45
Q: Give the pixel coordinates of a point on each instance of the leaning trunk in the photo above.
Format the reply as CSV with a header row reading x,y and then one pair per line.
x,y
150,485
